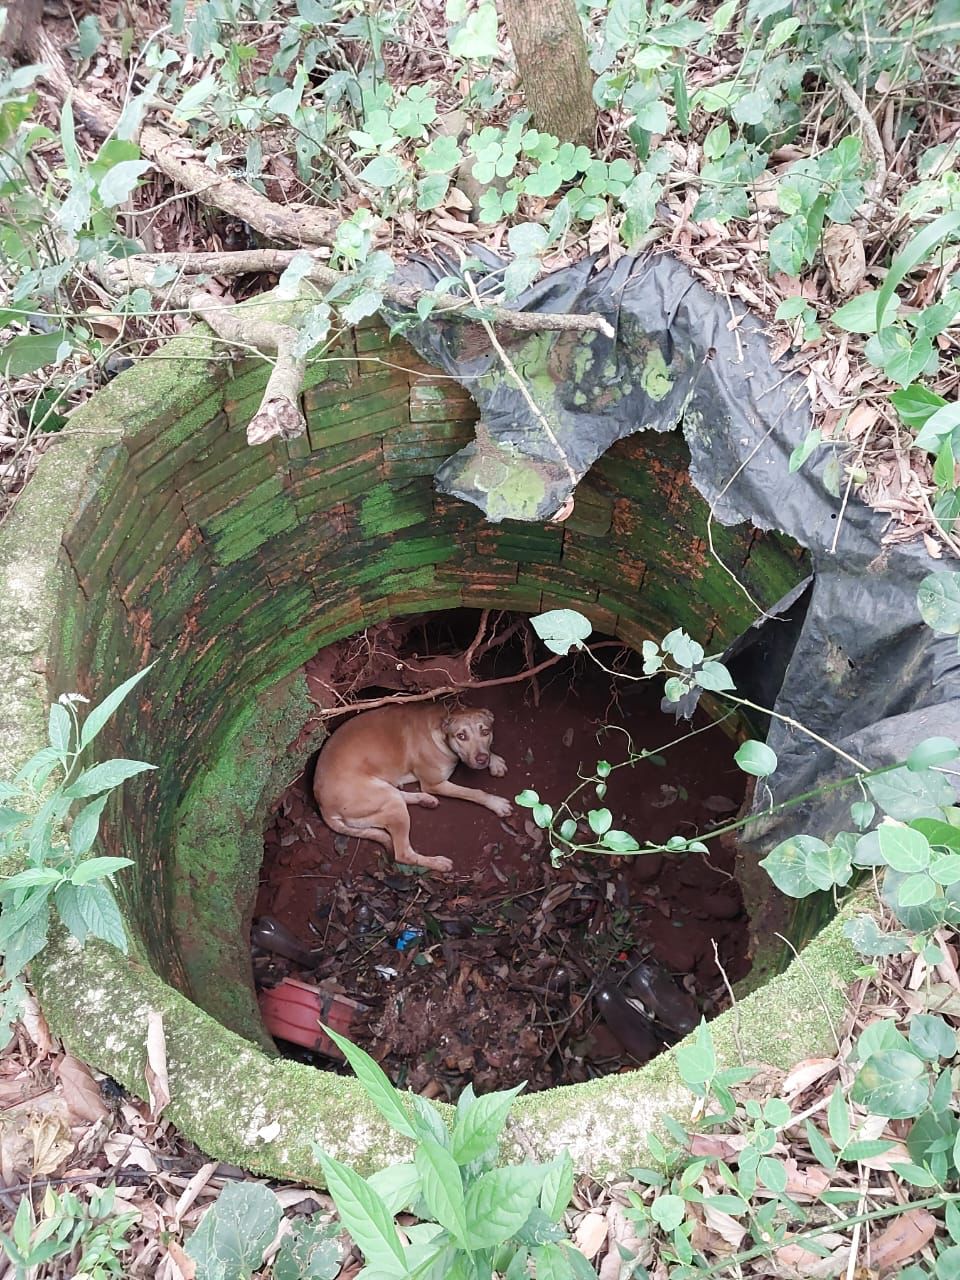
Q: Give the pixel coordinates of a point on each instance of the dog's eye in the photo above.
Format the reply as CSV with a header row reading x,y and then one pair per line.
x,y
462,736
484,732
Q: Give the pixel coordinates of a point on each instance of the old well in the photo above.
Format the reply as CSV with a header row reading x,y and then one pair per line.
x,y
152,532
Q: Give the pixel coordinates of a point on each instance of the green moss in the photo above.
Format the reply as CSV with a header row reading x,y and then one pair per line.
x,y
235,565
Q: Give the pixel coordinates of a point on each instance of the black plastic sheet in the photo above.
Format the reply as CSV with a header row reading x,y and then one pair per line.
x,y
848,656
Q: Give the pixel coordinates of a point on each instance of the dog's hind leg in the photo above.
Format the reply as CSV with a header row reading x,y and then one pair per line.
x,y
337,824
420,797
395,816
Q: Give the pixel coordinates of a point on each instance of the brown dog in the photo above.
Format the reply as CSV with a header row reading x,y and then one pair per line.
x,y
367,760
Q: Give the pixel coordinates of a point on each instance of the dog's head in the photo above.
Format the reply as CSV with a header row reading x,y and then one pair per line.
x,y
469,734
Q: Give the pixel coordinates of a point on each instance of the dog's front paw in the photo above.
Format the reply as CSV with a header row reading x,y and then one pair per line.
x,y
502,808
498,766
438,864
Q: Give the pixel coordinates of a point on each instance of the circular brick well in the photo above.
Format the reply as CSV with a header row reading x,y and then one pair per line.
x,y
152,532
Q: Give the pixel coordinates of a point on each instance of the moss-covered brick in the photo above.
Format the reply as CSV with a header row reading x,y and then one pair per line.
x,y
339,431
522,599
554,580
239,538
228,480
385,508
607,567
337,366
528,543
272,617
202,449
408,553
440,402
319,486
150,447
480,571
149,549
592,512
337,402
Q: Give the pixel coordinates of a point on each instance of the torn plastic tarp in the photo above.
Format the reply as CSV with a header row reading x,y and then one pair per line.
x,y
859,667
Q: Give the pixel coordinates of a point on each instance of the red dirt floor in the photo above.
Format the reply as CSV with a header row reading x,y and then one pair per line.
x,y
500,984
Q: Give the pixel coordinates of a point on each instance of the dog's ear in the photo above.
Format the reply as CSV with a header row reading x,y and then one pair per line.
x,y
486,716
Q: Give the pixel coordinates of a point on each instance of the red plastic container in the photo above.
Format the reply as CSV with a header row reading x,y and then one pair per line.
x,y
294,1010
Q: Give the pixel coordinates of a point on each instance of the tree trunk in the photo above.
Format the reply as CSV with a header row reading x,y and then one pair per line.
x,y
551,52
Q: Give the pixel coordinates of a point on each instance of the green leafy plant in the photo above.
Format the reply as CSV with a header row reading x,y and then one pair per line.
x,y
89,1235
476,1217
60,870
237,1232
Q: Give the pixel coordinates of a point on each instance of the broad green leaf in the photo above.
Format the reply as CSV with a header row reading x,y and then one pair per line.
x,y
477,38
826,868
906,795
235,1232
86,825
377,1086
104,777
59,728
10,819
557,1190
365,1216
30,351
562,629
916,251
905,850
870,940
862,812
938,598
98,716
915,404
95,868
442,1187
945,869
772,1174
668,1211
756,758
807,446
786,865
30,937
940,425
838,1117
68,907
932,1037
499,1203
915,890
398,1186
600,820
118,182
859,315
892,1084
101,914
479,1124
714,677
527,798
382,172
697,1062
30,878
312,1252
940,834
619,842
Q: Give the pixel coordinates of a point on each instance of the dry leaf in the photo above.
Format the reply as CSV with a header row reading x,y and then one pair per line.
x,y
807,1183
860,419
192,1190
904,1237
79,1090
625,1251
845,259
798,1262
590,1234
156,1069
35,1025
727,1228
52,1141
805,1074
934,549
185,1267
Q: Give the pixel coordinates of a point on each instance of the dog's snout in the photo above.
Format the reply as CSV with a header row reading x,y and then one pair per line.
x,y
482,760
